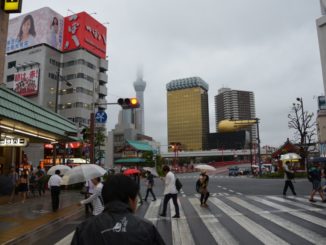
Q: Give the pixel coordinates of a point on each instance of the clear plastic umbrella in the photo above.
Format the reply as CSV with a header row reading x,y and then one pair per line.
x,y
82,173
63,169
290,156
152,170
205,167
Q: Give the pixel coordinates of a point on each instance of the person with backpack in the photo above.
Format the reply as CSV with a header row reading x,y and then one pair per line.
x,y
150,184
288,177
170,191
96,198
314,176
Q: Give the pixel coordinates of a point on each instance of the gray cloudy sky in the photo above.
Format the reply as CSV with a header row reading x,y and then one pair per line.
x,y
269,47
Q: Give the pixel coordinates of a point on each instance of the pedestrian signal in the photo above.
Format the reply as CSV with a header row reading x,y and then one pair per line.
x,y
128,103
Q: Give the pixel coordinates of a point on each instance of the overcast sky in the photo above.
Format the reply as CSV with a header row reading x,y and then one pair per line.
x,y
269,47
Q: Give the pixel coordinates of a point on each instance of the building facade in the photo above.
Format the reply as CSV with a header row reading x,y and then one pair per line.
x,y
61,68
235,105
187,112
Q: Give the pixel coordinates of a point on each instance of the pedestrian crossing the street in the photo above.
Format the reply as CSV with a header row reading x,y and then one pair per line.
x,y
239,219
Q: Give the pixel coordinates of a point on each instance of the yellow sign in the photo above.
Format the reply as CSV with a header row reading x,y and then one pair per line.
x,y
11,6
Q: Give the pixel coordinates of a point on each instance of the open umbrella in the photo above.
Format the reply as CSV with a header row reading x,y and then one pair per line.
x,y
152,170
82,173
131,171
290,156
63,169
205,167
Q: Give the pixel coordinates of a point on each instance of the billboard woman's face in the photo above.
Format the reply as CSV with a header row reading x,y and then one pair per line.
x,y
26,27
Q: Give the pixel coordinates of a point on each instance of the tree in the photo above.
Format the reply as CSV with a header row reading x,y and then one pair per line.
x,y
304,126
99,141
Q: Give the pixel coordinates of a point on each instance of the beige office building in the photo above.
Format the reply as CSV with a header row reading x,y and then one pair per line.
x,y
187,109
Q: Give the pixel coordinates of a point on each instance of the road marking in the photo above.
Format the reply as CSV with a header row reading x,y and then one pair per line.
x,y
255,229
231,191
294,212
306,234
300,205
66,240
217,230
153,211
181,234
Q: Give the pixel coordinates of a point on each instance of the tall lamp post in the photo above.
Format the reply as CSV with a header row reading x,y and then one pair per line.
x,y
304,132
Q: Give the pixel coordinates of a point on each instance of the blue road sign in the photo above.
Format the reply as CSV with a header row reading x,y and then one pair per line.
x,y
101,117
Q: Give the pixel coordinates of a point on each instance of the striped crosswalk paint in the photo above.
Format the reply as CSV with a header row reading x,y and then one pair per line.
x,y
66,240
272,209
252,227
284,223
220,234
180,226
294,212
297,204
153,211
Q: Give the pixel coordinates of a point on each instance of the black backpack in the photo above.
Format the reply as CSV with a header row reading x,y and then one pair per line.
x,y
178,184
197,185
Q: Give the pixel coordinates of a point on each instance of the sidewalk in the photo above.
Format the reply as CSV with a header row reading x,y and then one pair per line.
x,y
18,220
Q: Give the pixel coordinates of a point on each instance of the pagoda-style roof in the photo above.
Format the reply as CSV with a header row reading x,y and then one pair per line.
x,y
286,148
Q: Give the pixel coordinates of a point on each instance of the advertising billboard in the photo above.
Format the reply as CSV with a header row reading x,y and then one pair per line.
x,y
83,31
26,82
40,26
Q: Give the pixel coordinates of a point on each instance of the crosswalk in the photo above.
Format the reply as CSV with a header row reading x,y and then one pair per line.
x,y
239,219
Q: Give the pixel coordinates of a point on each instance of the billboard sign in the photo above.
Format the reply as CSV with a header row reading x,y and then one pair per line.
x,y
40,26
13,141
321,103
83,31
26,82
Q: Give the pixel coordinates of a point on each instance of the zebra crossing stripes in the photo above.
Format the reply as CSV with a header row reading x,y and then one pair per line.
x,y
66,240
308,235
294,212
299,205
228,215
220,234
153,210
252,227
179,227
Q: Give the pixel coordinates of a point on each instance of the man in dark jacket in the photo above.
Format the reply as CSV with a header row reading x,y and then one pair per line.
x,y
117,224
314,175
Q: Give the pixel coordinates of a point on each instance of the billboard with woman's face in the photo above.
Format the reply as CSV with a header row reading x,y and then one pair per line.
x,y
40,26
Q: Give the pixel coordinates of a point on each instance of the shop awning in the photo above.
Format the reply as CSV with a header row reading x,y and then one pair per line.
x,y
139,145
130,160
19,115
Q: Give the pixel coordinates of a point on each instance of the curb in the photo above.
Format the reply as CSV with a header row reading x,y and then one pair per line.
x,y
32,236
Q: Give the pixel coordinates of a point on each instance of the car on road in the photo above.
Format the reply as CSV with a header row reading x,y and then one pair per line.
x,y
234,171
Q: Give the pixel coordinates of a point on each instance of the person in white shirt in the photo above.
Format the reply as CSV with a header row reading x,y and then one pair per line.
x,y
54,185
170,191
96,197
89,191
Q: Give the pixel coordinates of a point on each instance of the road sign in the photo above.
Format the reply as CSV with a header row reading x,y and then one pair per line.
x,y
101,117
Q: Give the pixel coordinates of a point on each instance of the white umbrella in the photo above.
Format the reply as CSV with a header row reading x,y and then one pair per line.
x,y
152,170
205,167
82,173
255,166
63,169
290,156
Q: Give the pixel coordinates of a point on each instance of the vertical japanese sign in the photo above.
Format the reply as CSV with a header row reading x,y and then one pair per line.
x,y
26,82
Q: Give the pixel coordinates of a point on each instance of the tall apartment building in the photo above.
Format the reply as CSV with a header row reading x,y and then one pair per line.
x,y
62,64
236,105
187,109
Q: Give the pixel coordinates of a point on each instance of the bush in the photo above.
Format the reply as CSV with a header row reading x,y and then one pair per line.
x,y
280,175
